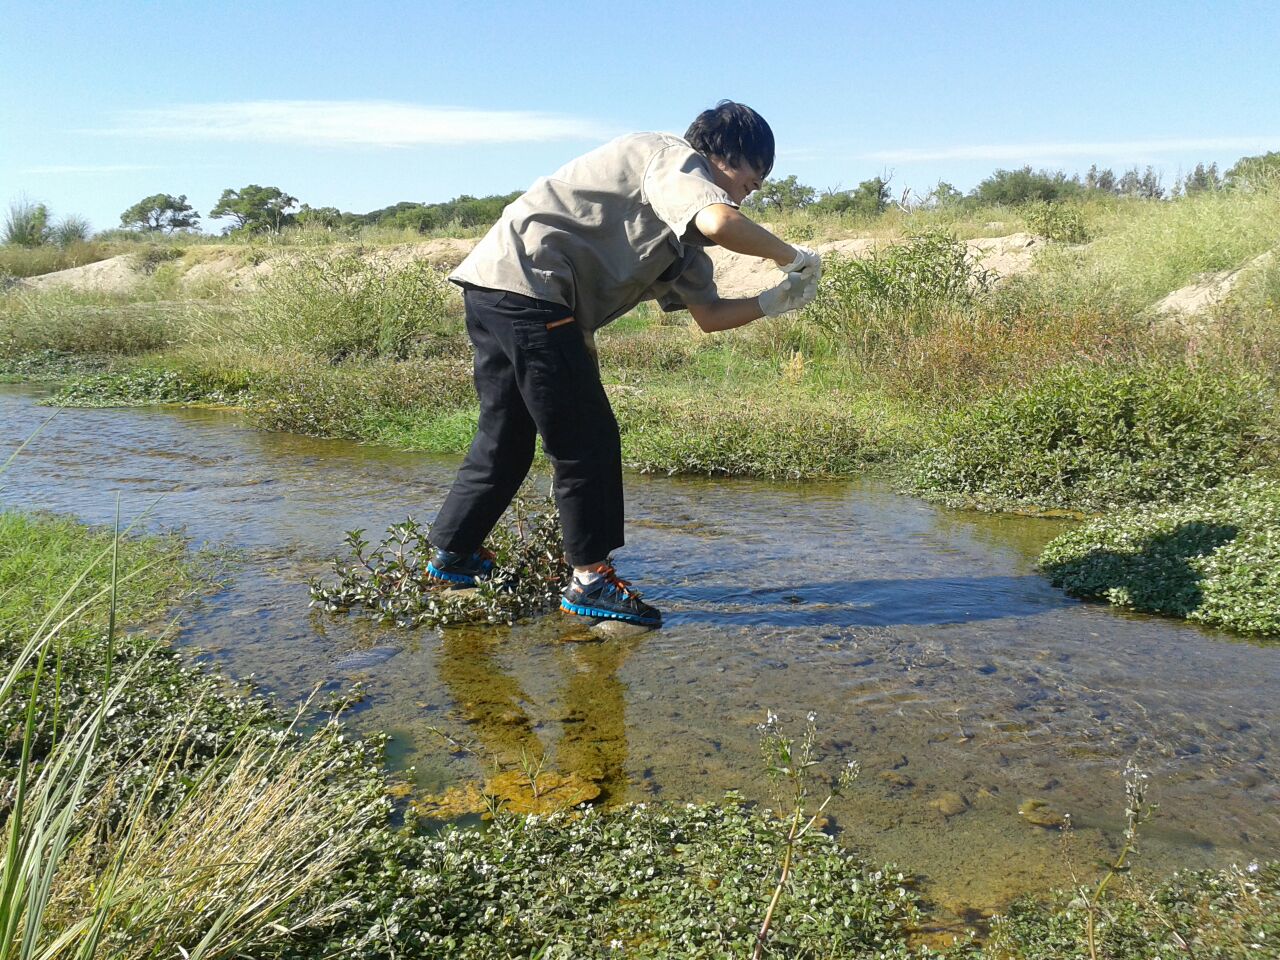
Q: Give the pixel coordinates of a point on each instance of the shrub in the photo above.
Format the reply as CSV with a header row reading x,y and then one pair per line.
x,y
68,321
351,401
1214,558
742,438
1090,437
343,306
1056,221
27,224
872,307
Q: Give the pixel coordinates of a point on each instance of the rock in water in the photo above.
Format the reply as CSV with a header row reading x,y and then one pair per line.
x,y
617,630
1040,814
365,659
950,804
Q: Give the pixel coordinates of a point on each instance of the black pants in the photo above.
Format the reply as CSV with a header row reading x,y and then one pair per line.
x,y
535,376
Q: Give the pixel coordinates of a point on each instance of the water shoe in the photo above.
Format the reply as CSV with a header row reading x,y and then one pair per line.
x,y
460,569
608,597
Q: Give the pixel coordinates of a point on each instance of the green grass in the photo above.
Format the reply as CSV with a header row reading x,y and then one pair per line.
x,y
1214,559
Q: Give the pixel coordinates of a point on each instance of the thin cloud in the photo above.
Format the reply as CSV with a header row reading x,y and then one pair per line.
x,y
376,123
1048,151
70,168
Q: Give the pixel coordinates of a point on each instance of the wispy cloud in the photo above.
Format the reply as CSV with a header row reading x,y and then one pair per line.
x,y
377,123
73,168
1130,149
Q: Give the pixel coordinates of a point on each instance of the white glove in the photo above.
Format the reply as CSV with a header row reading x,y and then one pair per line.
x,y
794,293
807,263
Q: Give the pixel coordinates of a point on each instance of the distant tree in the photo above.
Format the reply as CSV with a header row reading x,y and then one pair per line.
x,y
869,199
785,194
1251,173
255,208
1146,184
943,195
1012,187
328,217
161,211
1202,179
27,224
1103,180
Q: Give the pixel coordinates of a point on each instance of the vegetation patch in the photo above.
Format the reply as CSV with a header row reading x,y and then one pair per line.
x,y
1214,558
795,439
1091,437
390,580
141,386
1232,913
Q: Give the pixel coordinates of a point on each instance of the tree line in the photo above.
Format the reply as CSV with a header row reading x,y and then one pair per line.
x,y
258,209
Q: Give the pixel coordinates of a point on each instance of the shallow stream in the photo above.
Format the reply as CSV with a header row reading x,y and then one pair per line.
x,y
923,639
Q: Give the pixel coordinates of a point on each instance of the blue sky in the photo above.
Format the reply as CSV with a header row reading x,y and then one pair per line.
x,y
362,105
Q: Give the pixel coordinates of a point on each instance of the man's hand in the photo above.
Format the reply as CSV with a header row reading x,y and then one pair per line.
x,y
807,263
794,293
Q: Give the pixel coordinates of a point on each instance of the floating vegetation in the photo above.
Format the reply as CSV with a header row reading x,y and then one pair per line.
x,y
390,581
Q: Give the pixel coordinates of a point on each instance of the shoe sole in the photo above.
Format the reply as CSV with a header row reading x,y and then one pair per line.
x,y
596,612
458,579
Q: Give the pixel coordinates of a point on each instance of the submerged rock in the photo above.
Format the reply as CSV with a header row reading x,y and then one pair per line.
x,y
365,659
1039,813
949,804
510,790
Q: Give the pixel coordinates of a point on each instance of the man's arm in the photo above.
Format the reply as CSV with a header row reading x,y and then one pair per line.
x,y
725,226
725,314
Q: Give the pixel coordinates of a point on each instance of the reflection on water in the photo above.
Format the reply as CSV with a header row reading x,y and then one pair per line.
x,y
923,638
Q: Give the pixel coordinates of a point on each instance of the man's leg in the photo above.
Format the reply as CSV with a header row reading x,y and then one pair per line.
x,y
502,451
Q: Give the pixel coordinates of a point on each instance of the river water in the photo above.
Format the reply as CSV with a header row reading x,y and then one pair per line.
x,y
922,638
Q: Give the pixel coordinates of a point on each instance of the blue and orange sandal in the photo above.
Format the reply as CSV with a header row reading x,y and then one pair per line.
x,y
609,598
460,569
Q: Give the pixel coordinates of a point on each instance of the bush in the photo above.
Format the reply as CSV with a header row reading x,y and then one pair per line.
x,y
872,307
742,438
352,401
1091,437
342,306
1056,221
67,321
1214,558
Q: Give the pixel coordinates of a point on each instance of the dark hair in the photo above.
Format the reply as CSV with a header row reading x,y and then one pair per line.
x,y
735,132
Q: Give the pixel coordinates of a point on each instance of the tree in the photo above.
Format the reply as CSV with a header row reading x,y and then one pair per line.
x,y
1145,185
786,194
1253,173
869,199
1011,187
1201,179
326,217
943,195
255,208
1103,180
161,211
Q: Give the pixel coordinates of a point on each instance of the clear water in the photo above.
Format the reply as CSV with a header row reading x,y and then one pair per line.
x,y
923,639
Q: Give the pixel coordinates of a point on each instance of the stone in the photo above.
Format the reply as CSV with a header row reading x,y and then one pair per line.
x,y
949,804
899,781
1040,814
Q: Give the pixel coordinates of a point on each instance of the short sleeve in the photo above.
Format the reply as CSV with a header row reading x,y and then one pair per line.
x,y
677,184
696,284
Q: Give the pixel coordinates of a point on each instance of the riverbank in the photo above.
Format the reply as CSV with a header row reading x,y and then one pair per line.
x,y
1071,386
649,879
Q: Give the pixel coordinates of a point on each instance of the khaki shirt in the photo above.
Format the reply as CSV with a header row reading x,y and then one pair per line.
x,y
606,231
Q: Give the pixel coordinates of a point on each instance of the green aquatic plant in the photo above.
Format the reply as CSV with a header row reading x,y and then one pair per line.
x,y
390,581
1214,558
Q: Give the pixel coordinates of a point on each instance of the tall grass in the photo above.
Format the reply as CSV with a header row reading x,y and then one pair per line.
x,y
343,306
218,858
